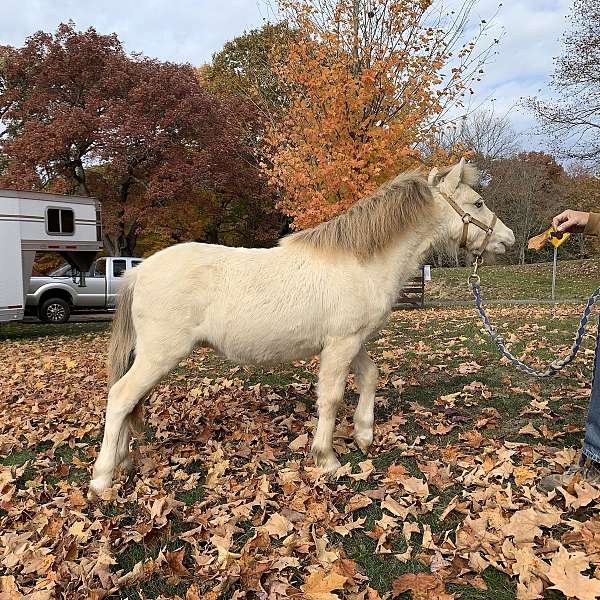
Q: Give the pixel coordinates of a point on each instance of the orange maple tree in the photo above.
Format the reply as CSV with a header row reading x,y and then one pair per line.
x,y
366,84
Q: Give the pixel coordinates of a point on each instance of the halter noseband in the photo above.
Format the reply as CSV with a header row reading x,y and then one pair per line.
x,y
467,218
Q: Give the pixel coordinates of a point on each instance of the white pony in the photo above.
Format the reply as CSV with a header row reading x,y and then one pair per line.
x,y
325,290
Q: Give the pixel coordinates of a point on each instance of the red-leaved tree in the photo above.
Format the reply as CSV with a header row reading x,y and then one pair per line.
x,y
165,156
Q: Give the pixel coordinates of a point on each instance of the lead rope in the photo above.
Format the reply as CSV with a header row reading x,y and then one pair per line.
x,y
557,364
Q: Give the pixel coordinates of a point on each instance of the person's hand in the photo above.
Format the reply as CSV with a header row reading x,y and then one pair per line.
x,y
570,221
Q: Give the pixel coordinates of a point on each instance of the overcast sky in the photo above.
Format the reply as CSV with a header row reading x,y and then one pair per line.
x,y
192,30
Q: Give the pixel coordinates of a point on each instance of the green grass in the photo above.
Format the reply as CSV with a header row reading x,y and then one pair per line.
x,y
24,331
575,280
17,458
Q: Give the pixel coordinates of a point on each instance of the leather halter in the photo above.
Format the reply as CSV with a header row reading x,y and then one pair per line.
x,y
467,218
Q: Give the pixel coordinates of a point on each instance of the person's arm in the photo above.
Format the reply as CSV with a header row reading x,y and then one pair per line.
x,y
576,221
593,225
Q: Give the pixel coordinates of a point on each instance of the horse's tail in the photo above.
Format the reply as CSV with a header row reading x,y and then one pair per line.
x,y
121,350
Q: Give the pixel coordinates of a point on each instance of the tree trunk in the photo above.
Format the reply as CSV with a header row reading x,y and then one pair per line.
x,y
120,244
123,242
522,254
80,177
355,41
110,244
285,227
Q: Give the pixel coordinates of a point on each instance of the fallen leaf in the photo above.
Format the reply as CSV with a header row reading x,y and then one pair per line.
x,y
565,574
299,442
529,429
524,525
321,583
421,586
278,526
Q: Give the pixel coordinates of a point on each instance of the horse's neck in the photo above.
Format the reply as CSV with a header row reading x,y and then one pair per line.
x,y
403,258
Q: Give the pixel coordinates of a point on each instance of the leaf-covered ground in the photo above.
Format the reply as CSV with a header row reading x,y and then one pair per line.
x,y
226,502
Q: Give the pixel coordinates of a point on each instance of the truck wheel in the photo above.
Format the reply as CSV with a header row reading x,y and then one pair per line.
x,y
55,310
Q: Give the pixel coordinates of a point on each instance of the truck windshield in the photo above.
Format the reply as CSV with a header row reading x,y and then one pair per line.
x,y
62,271
67,271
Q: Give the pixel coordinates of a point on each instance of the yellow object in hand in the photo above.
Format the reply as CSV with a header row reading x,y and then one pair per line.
x,y
557,241
539,241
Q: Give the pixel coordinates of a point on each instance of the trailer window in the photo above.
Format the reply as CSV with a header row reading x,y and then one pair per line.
x,y
135,263
119,267
60,221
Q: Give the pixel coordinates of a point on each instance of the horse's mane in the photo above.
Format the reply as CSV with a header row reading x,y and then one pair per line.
x,y
374,221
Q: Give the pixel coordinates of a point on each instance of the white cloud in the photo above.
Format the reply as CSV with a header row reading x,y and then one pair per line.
x,y
192,30
177,30
524,62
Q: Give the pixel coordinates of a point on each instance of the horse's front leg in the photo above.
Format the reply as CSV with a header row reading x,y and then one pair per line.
x,y
335,365
367,376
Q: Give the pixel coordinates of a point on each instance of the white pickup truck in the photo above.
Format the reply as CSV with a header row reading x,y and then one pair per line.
x,y
54,297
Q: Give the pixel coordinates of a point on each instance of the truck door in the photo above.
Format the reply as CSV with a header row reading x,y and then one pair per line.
x,y
93,295
118,266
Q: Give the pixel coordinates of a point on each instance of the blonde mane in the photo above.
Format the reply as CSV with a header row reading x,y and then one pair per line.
x,y
374,221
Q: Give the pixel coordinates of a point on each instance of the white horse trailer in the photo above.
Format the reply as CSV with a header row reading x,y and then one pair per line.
x,y
37,221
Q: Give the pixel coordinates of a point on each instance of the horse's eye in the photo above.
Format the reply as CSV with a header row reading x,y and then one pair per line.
x,y
478,204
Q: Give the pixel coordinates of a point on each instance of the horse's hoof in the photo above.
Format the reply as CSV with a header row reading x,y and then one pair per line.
x,y
364,441
329,465
331,469
97,486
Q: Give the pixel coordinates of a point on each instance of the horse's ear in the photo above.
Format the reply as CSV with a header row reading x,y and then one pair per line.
x,y
432,179
454,177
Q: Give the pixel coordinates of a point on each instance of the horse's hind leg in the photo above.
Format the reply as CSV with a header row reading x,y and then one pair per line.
x,y
152,362
366,380
133,423
335,365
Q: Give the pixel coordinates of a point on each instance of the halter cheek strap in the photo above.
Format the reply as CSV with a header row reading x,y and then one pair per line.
x,y
467,219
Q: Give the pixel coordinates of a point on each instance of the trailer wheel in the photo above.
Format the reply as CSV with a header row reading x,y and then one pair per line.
x,y
55,310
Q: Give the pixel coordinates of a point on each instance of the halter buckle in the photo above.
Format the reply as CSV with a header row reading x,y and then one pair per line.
x,y
466,218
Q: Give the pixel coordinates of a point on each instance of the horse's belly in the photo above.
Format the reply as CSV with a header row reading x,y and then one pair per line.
x,y
271,341
253,335
250,349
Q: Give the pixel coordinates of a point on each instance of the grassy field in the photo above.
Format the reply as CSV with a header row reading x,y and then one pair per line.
x,y
216,471
575,280
23,331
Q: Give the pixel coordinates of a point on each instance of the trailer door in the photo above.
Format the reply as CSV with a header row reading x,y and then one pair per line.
x,y
12,299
